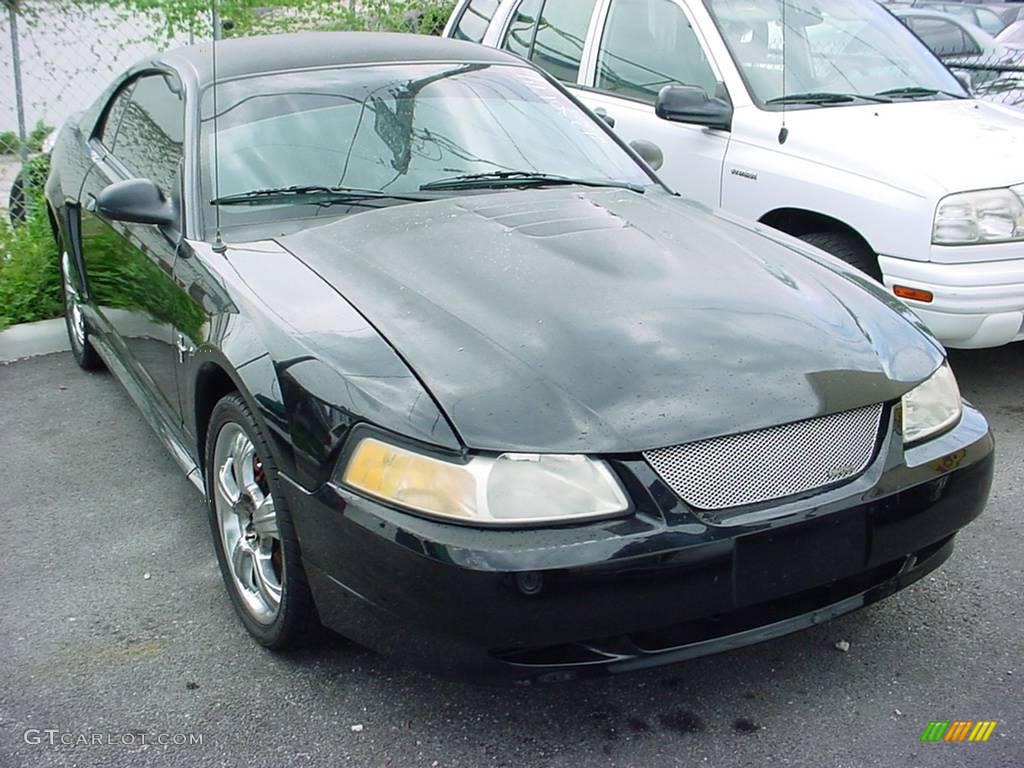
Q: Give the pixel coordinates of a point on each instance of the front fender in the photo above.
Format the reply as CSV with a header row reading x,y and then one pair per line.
x,y
759,178
308,364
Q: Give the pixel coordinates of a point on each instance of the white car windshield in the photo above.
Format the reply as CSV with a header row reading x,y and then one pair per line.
x,y
844,49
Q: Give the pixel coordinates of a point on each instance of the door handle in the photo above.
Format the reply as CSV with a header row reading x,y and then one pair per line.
x,y
603,114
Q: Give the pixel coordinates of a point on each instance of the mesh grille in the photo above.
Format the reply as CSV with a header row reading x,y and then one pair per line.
x,y
770,463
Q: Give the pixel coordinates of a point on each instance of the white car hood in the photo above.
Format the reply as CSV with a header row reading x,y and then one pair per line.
x,y
929,148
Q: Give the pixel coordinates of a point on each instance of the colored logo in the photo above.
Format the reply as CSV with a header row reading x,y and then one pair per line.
x,y
958,730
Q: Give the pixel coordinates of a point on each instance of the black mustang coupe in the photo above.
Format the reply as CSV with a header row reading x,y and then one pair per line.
x,y
465,382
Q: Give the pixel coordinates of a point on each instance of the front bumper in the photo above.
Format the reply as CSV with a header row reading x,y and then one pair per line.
x,y
976,304
666,584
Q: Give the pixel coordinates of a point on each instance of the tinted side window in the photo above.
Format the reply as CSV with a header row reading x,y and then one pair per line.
x,y
149,141
561,34
112,118
551,34
474,20
521,31
943,37
646,45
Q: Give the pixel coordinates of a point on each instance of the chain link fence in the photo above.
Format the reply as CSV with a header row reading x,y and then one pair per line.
x,y
55,59
999,78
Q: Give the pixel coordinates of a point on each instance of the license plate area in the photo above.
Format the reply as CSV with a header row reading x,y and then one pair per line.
x,y
793,558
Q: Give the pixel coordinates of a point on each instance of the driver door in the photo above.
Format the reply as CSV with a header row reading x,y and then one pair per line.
x,y
129,267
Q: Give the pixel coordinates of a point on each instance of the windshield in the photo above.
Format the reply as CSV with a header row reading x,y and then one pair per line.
x,y
851,47
394,129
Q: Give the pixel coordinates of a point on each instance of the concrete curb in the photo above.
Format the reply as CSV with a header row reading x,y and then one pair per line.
x,y
32,339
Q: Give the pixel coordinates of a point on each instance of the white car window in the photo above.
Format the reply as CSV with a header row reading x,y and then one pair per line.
x,y
944,37
551,34
474,20
646,45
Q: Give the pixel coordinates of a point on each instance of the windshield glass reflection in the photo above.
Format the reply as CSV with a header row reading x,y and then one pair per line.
x,y
395,128
831,46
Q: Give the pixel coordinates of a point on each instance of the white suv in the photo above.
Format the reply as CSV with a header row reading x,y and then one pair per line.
x,y
843,130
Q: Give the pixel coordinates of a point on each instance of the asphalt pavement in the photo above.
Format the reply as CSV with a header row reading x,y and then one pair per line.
x,y
115,628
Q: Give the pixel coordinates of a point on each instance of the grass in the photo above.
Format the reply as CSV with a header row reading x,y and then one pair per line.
x,y
29,265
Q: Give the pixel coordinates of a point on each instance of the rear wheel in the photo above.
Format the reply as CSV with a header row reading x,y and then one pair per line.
x,y
847,248
78,330
253,534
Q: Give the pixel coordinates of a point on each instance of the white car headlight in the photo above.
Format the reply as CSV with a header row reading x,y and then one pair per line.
x,y
512,489
932,406
986,216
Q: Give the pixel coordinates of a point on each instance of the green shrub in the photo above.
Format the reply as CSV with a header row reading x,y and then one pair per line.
x,y
38,136
29,264
29,271
9,142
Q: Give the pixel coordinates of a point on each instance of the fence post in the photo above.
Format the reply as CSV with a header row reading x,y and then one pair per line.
x,y
18,93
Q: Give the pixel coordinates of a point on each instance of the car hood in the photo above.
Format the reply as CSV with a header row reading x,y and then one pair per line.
x,y
605,321
928,148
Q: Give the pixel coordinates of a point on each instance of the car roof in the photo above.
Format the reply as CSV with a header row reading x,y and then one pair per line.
x,y
308,50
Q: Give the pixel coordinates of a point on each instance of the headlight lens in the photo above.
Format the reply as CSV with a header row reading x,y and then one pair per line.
x,y
932,406
512,489
987,216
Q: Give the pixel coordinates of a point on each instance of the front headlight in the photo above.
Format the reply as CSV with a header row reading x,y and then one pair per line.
x,y
986,216
511,489
932,406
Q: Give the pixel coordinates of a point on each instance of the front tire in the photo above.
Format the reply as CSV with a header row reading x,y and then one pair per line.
x,y
846,248
253,535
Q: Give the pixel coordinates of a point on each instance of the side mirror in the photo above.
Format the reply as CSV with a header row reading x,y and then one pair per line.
x,y
650,152
139,201
691,104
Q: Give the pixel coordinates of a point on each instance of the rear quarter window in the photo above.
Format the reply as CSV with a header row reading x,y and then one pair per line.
x,y
474,20
551,34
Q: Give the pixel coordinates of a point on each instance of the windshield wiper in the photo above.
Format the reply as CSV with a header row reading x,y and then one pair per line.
x,y
824,97
519,178
915,91
314,194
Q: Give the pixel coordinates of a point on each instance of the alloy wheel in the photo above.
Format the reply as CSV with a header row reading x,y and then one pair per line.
x,y
247,522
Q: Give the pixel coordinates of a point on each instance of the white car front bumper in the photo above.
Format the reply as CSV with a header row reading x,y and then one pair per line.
x,y
975,304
